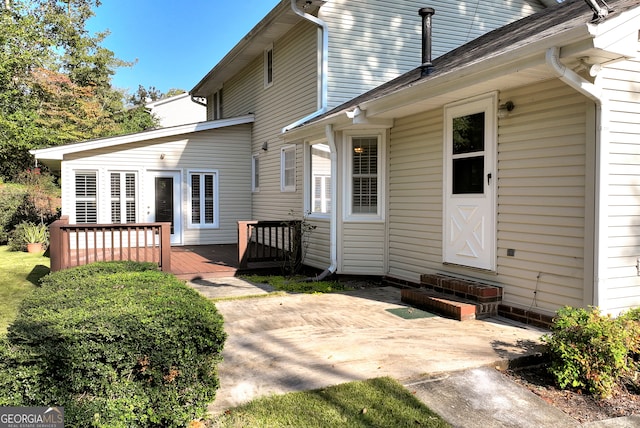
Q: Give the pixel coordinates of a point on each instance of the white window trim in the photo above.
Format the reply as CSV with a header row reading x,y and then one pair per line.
x,y
283,186
216,206
268,49
348,172
308,183
74,217
255,159
123,197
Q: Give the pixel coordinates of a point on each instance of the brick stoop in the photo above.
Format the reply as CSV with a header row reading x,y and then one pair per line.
x,y
454,297
431,301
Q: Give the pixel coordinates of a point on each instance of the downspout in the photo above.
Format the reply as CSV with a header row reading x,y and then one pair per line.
x,y
322,26
333,220
592,92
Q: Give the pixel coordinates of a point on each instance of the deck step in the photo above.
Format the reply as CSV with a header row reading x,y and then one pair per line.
x,y
432,302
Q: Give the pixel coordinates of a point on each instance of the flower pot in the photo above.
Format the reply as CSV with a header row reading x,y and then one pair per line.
x,y
34,247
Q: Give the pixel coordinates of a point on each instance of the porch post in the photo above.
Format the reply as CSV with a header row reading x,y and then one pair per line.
x,y
58,245
165,246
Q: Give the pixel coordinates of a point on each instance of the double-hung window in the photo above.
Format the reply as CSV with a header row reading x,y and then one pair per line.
x,y
365,184
288,169
123,197
320,194
203,199
86,196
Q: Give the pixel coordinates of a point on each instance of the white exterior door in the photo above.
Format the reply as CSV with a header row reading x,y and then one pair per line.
x,y
469,177
164,201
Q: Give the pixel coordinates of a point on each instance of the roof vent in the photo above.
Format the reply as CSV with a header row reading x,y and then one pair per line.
x,y
599,13
426,13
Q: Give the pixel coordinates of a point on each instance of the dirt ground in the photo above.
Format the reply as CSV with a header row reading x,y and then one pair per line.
x,y
625,400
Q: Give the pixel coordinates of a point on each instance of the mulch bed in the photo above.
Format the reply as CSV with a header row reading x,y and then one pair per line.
x,y
625,400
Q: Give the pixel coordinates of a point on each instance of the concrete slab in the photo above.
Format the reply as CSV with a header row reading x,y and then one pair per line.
x,y
482,397
299,342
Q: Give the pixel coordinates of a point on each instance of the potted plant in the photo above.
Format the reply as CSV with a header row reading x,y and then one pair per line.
x,y
35,236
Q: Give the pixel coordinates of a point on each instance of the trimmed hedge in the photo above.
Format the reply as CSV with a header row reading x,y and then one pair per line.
x,y
117,344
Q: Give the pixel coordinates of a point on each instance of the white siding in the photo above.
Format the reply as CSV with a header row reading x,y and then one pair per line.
x,y
541,198
362,249
318,252
622,89
373,41
225,150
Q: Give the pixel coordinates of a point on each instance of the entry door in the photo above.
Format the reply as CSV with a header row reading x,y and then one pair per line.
x,y
163,204
469,207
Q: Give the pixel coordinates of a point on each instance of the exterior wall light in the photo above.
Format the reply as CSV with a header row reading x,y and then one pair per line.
x,y
505,109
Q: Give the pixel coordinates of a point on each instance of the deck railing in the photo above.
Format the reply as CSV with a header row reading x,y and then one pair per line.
x,y
81,244
269,241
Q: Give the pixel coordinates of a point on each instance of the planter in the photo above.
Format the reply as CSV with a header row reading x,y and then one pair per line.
x,y
34,247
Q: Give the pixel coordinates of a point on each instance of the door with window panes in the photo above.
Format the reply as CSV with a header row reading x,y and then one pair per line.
x,y
469,207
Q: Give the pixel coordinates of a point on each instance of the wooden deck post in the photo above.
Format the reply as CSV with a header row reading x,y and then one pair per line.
x,y
58,245
165,246
243,243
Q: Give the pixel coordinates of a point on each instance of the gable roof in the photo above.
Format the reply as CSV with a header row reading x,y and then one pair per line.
x,y
564,25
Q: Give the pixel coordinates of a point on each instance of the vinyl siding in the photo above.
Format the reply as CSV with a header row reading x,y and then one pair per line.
x,y
622,90
373,41
318,250
224,150
362,249
292,95
541,198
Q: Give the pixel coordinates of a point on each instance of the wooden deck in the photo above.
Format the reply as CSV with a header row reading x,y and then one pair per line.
x,y
204,261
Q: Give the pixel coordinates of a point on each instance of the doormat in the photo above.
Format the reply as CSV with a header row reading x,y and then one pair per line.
x,y
410,313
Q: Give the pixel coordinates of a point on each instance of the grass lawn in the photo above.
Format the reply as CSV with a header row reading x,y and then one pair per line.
x,y
19,274
379,402
296,284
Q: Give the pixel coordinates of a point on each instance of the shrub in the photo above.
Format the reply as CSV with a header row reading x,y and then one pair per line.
x,y
589,350
115,348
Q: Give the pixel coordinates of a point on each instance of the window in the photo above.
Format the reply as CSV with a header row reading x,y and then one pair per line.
x,y
86,197
123,197
364,175
320,195
468,154
268,66
203,199
288,169
216,106
255,173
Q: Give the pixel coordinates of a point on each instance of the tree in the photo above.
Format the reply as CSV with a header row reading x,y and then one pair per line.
x,y
55,81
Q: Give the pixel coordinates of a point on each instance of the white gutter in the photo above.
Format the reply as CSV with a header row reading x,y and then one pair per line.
x,y
333,220
324,29
601,169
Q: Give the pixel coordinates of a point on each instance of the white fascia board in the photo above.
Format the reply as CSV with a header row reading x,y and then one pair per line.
x,y
58,153
618,34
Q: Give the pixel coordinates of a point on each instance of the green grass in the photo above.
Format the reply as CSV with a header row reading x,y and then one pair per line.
x,y
19,275
297,284
380,402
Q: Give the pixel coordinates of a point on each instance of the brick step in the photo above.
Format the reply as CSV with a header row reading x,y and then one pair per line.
x,y
432,302
460,288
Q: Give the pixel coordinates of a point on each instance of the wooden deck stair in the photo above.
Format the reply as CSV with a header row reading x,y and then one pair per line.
x,y
458,298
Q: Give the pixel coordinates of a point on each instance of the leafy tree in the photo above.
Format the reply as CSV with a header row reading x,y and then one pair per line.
x,y
55,81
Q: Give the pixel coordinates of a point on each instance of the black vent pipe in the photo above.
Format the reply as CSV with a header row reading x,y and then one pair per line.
x,y
426,13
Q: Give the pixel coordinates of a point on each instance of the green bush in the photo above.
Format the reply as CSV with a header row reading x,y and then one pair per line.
x,y
589,350
116,348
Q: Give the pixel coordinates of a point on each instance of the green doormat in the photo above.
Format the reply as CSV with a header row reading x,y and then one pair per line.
x,y
410,313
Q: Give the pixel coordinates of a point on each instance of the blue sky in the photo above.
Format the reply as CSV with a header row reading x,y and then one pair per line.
x,y
175,42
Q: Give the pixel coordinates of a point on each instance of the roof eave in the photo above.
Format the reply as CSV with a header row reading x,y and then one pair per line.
x,y
57,153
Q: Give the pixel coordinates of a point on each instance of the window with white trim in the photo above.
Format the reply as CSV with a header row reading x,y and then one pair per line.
x,y
255,173
216,105
288,169
320,168
123,197
203,199
86,196
364,172
268,66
